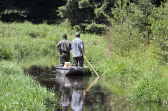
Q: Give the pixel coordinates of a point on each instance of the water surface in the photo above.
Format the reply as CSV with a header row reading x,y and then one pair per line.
x,y
86,93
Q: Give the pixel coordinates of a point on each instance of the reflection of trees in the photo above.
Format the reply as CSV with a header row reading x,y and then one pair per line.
x,y
43,75
97,98
39,70
118,100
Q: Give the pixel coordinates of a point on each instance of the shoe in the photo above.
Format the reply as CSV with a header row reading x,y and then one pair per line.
x,y
75,67
61,65
81,66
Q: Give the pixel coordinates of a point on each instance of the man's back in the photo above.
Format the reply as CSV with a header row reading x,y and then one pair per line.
x,y
64,45
77,45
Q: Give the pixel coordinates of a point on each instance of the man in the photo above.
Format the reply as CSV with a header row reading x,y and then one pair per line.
x,y
78,51
78,99
64,48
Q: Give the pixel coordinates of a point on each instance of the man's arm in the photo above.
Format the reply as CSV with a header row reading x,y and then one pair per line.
x,y
57,46
58,49
83,50
82,47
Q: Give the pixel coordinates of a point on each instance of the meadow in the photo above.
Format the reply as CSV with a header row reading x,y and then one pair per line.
x,y
137,67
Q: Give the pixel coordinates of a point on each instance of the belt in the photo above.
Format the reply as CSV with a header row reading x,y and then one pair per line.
x,y
65,52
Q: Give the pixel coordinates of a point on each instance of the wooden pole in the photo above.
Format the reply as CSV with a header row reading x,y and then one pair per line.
x,y
91,66
87,89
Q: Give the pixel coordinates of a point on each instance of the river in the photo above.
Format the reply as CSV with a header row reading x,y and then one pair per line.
x,y
86,93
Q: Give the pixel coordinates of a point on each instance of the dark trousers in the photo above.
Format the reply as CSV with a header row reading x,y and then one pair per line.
x,y
64,58
78,60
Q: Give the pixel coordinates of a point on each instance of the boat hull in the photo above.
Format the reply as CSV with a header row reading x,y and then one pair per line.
x,y
64,71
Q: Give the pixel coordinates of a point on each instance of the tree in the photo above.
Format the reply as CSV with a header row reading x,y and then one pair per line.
x,y
86,15
159,27
35,11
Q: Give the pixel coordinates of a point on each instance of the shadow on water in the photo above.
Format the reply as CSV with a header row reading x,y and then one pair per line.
x,y
83,93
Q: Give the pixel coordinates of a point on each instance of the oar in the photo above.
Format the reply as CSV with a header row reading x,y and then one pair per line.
x,y
91,66
87,89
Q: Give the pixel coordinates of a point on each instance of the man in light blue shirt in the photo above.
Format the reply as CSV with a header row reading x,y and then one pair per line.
x,y
78,97
78,51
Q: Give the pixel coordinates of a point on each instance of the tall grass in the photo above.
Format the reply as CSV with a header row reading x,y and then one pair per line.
x,y
141,74
28,39
20,91
137,66
25,40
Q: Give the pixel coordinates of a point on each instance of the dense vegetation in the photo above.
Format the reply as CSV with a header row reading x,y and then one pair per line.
x,y
20,92
84,15
138,57
133,51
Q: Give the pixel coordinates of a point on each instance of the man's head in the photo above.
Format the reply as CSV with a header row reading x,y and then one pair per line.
x,y
77,34
64,36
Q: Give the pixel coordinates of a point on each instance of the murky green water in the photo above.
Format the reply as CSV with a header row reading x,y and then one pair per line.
x,y
85,93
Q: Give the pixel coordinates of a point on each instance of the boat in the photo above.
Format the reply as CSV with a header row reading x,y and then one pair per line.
x,y
71,70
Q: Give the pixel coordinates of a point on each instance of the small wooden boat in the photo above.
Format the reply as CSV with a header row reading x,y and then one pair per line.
x,y
64,71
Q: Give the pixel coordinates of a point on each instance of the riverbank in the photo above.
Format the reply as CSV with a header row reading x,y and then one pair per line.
x,y
21,92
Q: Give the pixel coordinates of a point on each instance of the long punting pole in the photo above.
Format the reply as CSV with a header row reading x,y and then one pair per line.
x,y
91,66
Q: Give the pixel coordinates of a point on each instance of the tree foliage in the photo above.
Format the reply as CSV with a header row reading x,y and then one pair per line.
x,y
84,15
159,27
137,23
87,15
35,11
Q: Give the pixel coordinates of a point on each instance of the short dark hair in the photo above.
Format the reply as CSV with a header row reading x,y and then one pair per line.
x,y
64,36
77,34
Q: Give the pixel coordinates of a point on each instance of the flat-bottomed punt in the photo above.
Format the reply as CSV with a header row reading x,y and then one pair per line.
x,y
64,71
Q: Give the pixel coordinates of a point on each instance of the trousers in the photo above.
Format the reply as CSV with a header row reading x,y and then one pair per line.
x,y
64,58
78,61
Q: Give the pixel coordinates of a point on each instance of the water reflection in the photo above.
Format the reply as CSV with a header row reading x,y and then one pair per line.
x,y
76,93
84,93
72,92
76,98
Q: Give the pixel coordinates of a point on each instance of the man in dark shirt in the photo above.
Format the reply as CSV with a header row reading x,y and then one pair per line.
x,y
64,48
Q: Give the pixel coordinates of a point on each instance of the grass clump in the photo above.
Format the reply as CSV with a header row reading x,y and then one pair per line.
x,y
20,91
5,53
151,88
